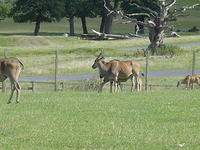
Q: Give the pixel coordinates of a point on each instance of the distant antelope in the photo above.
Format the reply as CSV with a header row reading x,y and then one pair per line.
x,y
188,80
117,71
11,68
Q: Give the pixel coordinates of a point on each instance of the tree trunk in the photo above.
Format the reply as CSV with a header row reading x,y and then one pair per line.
x,y
156,33
101,30
156,36
71,26
108,24
84,25
37,28
108,17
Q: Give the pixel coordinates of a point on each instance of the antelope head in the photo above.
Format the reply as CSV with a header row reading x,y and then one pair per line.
x,y
97,60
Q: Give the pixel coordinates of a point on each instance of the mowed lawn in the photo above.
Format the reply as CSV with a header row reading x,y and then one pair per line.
x,y
158,120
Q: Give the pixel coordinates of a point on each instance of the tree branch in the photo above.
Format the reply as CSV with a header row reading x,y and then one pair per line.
x,y
139,14
170,4
110,11
130,20
152,12
184,8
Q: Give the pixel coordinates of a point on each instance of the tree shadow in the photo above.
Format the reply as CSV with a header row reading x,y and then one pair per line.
x,y
32,34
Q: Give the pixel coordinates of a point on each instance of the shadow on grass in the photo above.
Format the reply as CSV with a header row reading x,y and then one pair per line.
x,y
32,34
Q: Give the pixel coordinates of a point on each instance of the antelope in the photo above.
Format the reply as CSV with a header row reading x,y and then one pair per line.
x,y
188,80
117,71
11,68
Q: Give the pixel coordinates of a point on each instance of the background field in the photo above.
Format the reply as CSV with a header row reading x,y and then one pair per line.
x,y
8,27
77,56
154,120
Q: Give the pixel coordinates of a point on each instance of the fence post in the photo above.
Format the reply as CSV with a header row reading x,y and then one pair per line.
x,y
150,86
4,82
193,62
62,85
193,65
33,86
147,69
56,70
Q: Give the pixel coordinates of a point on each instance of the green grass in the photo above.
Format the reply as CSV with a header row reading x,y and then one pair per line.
x,y
154,120
76,56
8,27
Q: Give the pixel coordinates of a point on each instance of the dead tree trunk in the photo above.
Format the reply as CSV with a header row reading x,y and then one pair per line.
x,y
157,21
156,36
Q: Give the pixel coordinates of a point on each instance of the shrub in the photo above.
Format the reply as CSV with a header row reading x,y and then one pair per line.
x,y
169,50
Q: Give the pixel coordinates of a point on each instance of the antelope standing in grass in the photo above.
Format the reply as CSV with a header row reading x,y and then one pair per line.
x,y
117,71
189,80
11,68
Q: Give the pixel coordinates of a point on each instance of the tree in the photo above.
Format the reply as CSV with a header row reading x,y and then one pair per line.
x,y
107,17
85,8
70,12
37,11
80,9
128,9
4,10
157,21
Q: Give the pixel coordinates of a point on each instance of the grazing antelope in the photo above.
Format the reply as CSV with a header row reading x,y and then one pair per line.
x,y
117,71
11,68
189,79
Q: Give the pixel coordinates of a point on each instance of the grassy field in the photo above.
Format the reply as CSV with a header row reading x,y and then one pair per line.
x,y
8,27
76,56
163,119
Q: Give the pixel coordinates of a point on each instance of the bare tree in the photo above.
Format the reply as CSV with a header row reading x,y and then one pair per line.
x,y
157,21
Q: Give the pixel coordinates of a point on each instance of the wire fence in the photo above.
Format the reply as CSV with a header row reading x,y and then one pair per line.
x,y
149,83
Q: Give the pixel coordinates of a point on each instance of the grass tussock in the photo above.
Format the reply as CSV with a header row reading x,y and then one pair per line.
x,y
169,50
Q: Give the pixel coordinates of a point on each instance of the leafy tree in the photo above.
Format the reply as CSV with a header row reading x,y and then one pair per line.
x,y
86,8
4,10
70,12
107,17
80,9
37,11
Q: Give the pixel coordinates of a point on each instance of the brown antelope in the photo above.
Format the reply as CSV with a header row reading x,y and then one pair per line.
x,y
11,68
117,71
188,80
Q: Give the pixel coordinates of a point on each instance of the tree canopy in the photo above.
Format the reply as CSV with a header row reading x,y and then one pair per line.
x,y
37,11
4,10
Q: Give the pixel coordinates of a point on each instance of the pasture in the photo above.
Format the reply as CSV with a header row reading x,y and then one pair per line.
x,y
76,56
79,117
162,119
